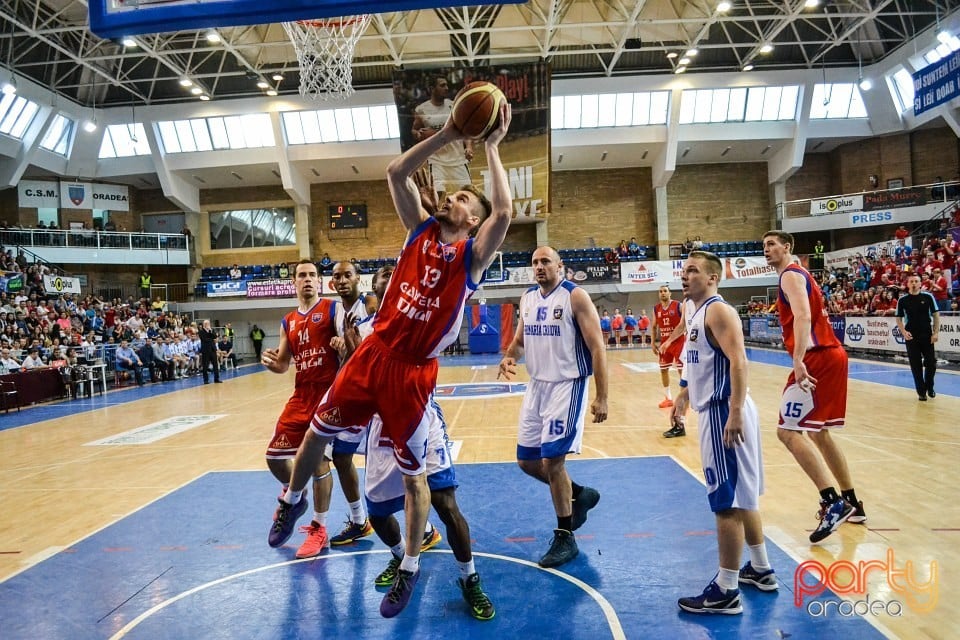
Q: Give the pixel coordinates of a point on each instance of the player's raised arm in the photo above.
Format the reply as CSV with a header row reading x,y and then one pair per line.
x,y
406,195
494,229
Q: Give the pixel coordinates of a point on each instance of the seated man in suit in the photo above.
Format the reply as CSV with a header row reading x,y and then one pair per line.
x,y
128,360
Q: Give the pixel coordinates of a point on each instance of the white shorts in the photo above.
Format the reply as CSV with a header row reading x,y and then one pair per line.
x,y
383,481
734,476
551,419
447,179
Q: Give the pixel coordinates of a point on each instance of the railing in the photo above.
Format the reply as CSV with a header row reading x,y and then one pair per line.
x,y
945,192
89,239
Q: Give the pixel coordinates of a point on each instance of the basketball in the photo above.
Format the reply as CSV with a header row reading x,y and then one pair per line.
x,y
477,108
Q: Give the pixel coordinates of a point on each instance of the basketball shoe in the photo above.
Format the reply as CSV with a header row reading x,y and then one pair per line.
x,y
588,499
832,515
480,606
859,515
316,541
713,600
284,520
388,575
563,549
763,580
678,430
352,532
430,540
399,595
666,403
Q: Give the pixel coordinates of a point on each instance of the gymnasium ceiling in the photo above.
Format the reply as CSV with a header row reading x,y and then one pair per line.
x,y
49,42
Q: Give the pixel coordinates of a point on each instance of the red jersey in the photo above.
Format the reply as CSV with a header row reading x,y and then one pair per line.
x,y
821,331
309,335
422,309
667,317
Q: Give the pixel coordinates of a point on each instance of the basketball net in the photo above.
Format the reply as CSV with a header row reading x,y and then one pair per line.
x,y
325,54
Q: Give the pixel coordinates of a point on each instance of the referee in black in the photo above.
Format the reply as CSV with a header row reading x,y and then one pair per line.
x,y
919,322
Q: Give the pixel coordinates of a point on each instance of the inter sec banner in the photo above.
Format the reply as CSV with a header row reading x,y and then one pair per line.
x,y
424,100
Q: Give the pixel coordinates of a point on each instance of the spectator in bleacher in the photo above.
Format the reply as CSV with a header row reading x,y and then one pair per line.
x,y
901,233
235,272
225,352
127,360
326,262
939,287
7,362
33,360
623,250
161,362
946,252
633,248
149,360
697,244
283,271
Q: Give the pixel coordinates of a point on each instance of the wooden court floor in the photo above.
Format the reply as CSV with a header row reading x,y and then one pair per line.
x,y
903,454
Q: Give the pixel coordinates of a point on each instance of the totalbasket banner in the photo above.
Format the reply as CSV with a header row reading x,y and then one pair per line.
x,y
425,97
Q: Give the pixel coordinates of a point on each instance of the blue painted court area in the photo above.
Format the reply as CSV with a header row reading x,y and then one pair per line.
x,y
195,564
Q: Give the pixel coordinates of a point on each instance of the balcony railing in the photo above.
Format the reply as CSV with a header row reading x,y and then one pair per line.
x,y
89,239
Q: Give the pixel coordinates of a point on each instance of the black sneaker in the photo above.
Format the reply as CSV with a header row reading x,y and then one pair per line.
x,y
678,430
859,516
713,600
480,606
831,515
285,520
563,549
931,393
588,499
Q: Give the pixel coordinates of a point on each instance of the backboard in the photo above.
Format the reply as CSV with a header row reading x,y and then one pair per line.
x,y
118,18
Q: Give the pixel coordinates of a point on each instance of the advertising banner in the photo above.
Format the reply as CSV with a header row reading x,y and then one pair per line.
x,y
228,288
424,100
879,333
61,284
839,204
11,282
870,218
73,195
841,258
271,289
908,197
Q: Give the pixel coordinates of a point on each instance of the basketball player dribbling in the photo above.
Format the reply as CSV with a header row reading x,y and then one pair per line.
x,y
394,371
815,398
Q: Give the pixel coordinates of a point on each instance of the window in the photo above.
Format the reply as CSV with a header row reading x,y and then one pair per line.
x,y
592,111
247,228
48,216
841,100
248,131
16,114
58,135
341,125
903,89
738,104
124,141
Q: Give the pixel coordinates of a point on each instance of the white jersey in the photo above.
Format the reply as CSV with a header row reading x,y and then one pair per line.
x,y
552,341
359,311
707,368
435,117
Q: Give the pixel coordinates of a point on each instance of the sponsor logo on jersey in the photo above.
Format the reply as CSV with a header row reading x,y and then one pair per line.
x,y
557,313
694,334
449,253
331,416
282,442
317,317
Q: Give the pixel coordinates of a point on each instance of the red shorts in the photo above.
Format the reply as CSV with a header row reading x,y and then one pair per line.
x,y
377,380
671,355
293,423
826,406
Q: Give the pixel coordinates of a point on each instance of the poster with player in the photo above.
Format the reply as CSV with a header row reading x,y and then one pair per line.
x,y
424,100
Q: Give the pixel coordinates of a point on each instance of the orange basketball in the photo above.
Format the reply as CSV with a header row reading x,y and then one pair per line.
x,y
476,110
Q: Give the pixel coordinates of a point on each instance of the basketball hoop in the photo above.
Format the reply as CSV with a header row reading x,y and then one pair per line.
x,y
325,54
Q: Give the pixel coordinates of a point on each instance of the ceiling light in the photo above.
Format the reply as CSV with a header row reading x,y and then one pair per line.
x,y
684,60
127,41
90,126
723,7
748,67
943,36
186,82
204,97
196,91
679,69
672,55
271,92
278,77
767,48
263,84
691,53
213,37
9,88
866,84
810,4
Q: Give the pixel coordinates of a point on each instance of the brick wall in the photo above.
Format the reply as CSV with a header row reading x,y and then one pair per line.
x,y
603,205
815,179
934,152
719,202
